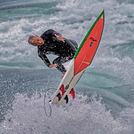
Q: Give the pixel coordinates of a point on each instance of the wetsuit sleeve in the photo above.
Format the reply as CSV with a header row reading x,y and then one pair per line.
x,y
44,58
71,45
49,34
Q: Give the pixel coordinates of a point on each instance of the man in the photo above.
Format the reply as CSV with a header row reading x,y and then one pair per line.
x,y
51,42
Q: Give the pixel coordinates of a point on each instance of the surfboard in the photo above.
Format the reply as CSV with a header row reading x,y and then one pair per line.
x,y
81,60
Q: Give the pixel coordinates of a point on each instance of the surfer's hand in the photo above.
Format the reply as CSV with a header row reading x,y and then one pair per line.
x,y
53,65
60,38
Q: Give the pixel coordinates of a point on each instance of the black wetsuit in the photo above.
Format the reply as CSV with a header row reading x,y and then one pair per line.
x,y
65,50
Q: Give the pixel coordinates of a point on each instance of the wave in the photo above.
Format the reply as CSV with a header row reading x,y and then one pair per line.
x,y
79,117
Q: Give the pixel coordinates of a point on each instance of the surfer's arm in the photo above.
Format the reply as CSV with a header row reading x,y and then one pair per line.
x,y
71,45
57,36
44,58
52,35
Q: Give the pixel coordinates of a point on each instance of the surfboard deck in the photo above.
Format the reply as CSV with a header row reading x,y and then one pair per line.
x,y
81,60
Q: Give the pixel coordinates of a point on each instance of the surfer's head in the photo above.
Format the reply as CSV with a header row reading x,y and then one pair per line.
x,y
35,40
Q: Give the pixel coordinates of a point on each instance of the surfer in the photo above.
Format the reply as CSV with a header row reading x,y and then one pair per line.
x,y
52,42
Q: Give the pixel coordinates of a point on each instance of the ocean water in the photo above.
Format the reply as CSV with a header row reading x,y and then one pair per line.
x,y
105,94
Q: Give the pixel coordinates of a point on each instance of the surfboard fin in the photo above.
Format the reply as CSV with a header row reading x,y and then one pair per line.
x,y
62,89
72,93
66,98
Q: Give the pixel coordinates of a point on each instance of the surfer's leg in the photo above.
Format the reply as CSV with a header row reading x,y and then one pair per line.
x,y
59,62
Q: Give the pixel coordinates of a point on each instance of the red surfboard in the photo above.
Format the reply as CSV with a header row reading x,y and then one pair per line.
x,y
89,45
82,59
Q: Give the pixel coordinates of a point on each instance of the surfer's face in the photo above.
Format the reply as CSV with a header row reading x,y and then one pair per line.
x,y
37,41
